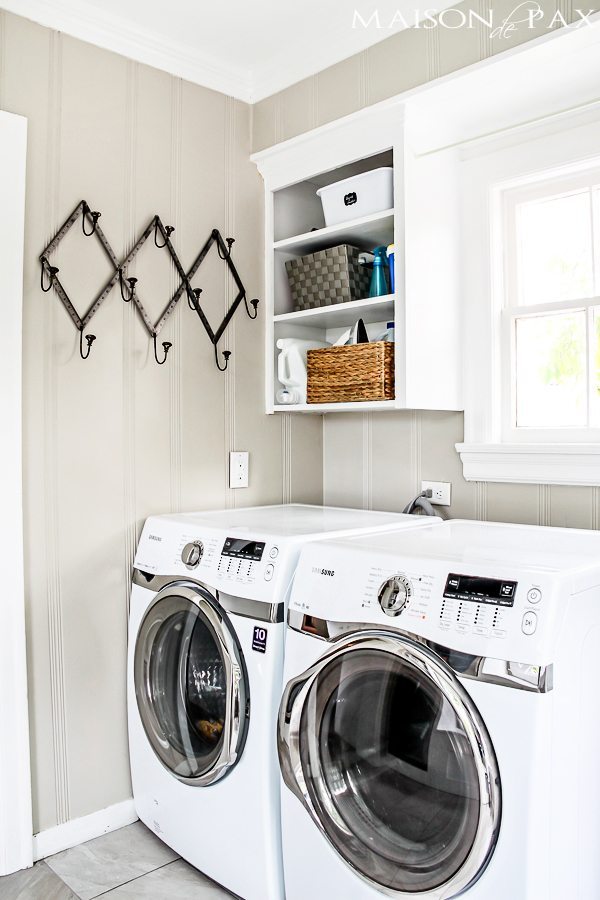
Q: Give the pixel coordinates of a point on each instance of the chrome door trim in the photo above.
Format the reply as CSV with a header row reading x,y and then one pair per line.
x,y
488,669
433,667
238,692
239,606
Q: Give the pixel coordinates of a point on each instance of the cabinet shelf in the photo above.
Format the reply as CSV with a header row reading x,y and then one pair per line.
x,y
364,233
362,406
377,309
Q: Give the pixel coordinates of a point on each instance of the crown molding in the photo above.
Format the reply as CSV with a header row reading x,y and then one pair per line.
x,y
116,34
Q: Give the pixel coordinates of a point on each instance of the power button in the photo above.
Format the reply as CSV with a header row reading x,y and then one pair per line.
x,y
269,572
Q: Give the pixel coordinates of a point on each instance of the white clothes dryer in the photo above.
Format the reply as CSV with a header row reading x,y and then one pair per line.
x,y
439,730
206,639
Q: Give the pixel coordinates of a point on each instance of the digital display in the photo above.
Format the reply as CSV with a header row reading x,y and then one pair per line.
x,y
480,590
243,549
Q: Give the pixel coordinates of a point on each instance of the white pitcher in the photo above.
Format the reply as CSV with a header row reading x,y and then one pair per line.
x,y
291,368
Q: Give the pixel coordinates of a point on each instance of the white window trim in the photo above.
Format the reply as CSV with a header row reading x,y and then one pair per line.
x,y
565,145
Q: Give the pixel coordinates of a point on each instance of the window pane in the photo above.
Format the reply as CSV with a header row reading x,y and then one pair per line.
x,y
554,248
551,371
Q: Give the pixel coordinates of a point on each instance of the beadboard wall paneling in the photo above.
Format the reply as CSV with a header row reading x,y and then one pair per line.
x,y
378,460
395,64
113,439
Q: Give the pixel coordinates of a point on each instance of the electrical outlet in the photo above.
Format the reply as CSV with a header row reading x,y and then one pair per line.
x,y
440,492
238,469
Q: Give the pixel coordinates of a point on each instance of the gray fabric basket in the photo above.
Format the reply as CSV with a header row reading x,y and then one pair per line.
x,y
327,277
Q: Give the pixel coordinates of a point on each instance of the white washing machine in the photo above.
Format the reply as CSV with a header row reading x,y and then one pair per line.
x,y
439,731
206,639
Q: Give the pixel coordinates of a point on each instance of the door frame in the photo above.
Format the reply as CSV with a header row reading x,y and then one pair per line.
x,y
16,829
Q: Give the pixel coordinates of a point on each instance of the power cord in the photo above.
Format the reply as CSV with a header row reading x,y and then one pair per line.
x,y
421,502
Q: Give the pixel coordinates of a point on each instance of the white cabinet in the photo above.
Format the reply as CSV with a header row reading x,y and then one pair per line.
x,y
423,225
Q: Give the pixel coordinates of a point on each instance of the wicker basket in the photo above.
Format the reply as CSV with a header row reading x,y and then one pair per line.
x,y
327,277
350,374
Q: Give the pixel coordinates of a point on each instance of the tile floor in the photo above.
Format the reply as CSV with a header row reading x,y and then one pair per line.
x,y
128,864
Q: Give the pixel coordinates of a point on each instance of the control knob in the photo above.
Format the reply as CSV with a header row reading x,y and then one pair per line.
x,y
394,594
192,554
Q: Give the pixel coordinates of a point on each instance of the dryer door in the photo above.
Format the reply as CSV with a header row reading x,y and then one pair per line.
x,y
191,684
389,755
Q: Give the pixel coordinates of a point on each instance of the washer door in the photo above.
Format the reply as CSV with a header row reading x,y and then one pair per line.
x,y
191,684
390,757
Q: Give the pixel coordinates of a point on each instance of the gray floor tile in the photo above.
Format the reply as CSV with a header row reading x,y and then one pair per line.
x,y
110,860
177,881
38,883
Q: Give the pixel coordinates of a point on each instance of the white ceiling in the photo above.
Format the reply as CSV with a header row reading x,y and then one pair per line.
x,y
247,48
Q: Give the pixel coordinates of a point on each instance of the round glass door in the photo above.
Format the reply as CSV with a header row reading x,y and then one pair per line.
x,y
397,767
191,685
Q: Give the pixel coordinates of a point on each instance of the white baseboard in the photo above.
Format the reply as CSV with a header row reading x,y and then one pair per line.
x,y
78,831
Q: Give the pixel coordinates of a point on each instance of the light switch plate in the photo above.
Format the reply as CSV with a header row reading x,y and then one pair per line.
x,y
238,468
440,492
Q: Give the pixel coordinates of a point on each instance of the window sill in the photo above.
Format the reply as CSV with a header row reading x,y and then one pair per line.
x,y
568,464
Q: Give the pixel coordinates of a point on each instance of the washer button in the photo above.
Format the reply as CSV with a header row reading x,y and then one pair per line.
x,y
529,623
534,595
269,572
274,552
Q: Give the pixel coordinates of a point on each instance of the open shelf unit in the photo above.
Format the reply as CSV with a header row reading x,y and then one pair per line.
x,y
424,304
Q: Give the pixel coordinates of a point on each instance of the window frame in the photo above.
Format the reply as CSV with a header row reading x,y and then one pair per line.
x,y
561,146
548,185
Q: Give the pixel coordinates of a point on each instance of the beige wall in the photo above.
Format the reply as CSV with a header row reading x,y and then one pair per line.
x,y
110,440
378,460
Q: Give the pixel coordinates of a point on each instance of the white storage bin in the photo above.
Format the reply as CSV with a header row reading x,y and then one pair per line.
x,y
358,196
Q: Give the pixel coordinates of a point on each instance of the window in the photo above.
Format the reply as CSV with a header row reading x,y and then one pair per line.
x,y
530,238
551,310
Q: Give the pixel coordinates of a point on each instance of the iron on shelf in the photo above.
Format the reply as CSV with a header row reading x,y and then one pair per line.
x,y
129,285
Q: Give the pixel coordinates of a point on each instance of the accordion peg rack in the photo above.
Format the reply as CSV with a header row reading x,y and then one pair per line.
x,y
129,285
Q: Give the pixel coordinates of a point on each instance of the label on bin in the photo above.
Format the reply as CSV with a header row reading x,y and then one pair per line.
x,y
350,199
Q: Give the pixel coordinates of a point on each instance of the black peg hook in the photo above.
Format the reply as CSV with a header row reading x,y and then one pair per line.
x,y
166,347
169,229
254,303
95,215
226,355
131,282
51,272
90,338
225,256
194,303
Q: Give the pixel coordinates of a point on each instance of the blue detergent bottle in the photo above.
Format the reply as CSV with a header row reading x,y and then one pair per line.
x,y
379,285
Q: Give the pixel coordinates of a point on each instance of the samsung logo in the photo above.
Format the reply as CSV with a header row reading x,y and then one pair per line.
x,y
318,571
154,537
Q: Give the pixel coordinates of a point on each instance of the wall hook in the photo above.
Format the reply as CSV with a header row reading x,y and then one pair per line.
x,y
254,306
90,338
131,282
51,272
193,304
169,229
226,355
94,217
166,347
226,256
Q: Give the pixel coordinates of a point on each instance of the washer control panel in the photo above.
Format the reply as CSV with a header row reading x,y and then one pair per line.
x,y
233,559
